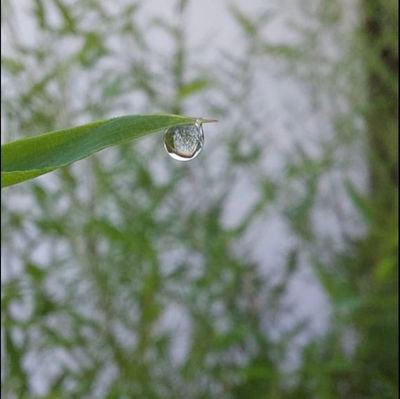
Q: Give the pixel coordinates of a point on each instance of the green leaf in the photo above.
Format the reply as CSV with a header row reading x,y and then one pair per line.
x,y
69,21
193,87
34,156
359,201
11,65
244,21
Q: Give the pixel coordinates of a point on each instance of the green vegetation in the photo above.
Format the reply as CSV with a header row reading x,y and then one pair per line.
x,y
34,156
132,276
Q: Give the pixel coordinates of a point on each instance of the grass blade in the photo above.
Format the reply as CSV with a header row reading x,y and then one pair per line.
x,y
30,157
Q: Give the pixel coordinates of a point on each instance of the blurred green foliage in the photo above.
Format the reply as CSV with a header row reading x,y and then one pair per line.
x,y
121,277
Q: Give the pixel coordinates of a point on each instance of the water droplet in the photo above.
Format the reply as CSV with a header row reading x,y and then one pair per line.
x,y
184,142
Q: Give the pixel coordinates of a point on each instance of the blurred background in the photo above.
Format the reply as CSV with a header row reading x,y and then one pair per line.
x,y
264,268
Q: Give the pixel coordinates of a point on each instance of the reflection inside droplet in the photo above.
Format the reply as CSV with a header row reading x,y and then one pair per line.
x,y
184,142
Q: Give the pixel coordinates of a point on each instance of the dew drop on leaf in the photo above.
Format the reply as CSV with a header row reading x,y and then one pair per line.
x,y
184,142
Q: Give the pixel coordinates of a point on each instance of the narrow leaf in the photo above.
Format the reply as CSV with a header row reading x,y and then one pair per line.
x,y
34,156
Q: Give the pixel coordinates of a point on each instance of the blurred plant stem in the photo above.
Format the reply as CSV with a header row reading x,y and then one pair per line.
x,y
378,253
